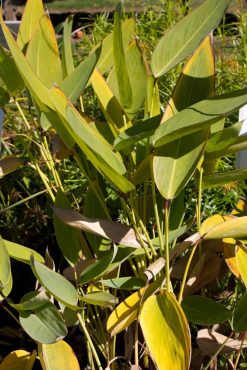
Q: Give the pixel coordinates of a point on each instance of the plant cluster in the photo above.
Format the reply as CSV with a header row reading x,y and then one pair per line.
x,y
136,267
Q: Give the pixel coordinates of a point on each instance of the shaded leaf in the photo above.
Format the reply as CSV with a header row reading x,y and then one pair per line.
x,y
31,301
9,164
239,319
5,269
223,178
126,283
241,261
100,299
18,360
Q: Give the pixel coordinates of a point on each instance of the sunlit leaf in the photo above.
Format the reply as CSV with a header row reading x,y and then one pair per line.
x,y
58,356
31,301
127,283
233,228
5,269
166,332
18,360
223,178
67,55
241,260
229,253
104,299
21,253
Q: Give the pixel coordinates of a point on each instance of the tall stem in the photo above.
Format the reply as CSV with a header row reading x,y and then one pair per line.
x,y
167,267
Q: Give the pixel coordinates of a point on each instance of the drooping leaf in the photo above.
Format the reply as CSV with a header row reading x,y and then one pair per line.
x,y
44,325
55,283
186,35
21,253
124,86
58,356
213,221
233,228
31,301
111,230
9,164
67,237
223,178
67,55
239,319
204,311
180,157
43,55
166,331
127,311
18,360
33,11
199,116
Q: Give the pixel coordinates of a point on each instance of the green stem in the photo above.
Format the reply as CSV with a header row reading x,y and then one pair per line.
x,y
180,297
22,115
94,352
167,266
199,203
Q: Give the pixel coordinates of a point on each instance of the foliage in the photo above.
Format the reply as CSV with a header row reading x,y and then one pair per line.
x,y
131,253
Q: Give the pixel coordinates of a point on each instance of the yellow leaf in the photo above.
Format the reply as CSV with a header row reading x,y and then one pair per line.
x,y
234,227
241,259
241,208
230,256
212,222
166,332
127,311
58,356
18,360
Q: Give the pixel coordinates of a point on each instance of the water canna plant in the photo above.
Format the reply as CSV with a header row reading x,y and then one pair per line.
x,y
133,267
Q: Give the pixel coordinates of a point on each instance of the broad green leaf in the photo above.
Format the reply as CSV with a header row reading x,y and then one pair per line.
x,y
233,228
33,11
58,356
18,360
182,39
137,73
67,237
127,311
241,261
31,301
102,157
125,283
152,98
180,157
21,253
223,178
139,131
67,55
239,319
77,80
166,332
204,311
106,59
104,299
43,55
98,268
44,325
199,116
9,164
9,73
119,233
110,106
55,283
123,79
5,269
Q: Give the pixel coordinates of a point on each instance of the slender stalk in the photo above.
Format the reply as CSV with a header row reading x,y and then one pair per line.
x,y
10,313
199,203
167,266
45,182
180,297
136,345
22,115
94,352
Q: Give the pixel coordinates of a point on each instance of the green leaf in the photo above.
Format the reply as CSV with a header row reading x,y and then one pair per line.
x,y
67,55
43,55
166,331
9,73
102,157
21,253
239,319
204,311
180,157
98,268
99,299
223,178
139,131
199,116
58,356
67,237
137,73
4,97
33,11
77,80
44,325
233,228
31,301
185,36
5,270
125,283
55,283
124,86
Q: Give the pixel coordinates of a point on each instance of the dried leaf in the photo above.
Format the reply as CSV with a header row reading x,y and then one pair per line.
x,y
154,268
9,164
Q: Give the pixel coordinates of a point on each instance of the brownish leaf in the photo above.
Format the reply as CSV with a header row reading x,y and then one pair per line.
x,y
9,164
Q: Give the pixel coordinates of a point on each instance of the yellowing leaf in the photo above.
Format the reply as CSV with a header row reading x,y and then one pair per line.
x,y
18,360
241,208
127,311
58,356
230,256
166,332
213,221
241,259
232,228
